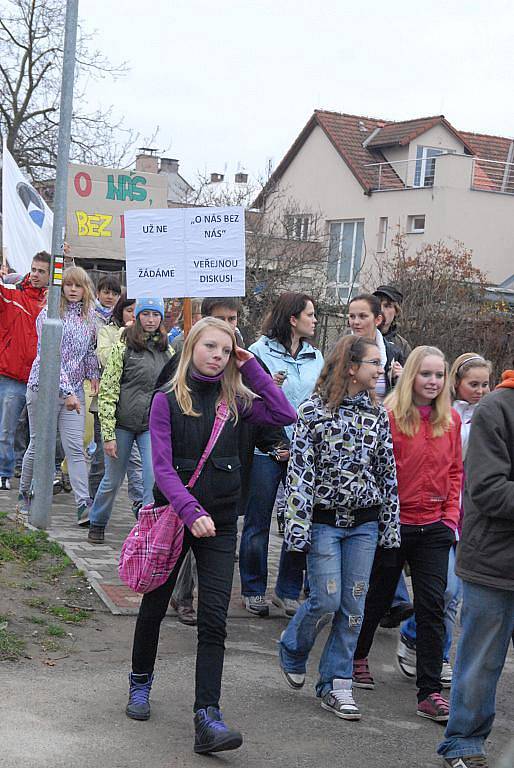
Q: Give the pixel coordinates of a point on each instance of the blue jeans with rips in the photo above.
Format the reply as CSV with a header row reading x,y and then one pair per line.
x,y
339,564
487,621
12,400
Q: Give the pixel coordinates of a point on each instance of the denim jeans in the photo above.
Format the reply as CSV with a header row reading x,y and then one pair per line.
x,y
115,470
339,563
452,598
21,438
402,593
12,400
487,622
253,551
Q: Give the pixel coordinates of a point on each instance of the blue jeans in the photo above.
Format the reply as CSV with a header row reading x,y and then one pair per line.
x,y
452,598
253,551
487,621
115,470
12,400
402,594
339,564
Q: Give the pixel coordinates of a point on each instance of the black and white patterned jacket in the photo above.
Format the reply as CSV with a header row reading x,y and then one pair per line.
x,y
341,460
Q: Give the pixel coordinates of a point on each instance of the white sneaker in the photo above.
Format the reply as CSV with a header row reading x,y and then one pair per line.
x,y
446,675
340,701
406,658
5,484
256,604
295,680
288,606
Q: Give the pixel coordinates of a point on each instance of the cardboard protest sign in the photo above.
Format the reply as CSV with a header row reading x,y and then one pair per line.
x,y
185,252
97,200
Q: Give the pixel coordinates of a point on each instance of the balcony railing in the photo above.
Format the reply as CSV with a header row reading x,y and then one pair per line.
x,y
402,174
492,176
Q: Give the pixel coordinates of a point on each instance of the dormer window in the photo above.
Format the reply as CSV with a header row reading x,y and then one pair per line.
x,y
424,173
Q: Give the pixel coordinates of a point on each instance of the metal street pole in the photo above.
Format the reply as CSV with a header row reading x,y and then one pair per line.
x,y
46,411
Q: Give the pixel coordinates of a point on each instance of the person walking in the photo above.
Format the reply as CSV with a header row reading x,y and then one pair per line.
x,y
342,500
485,563
295,364
125,396
212,369
78,363
19,308
428,454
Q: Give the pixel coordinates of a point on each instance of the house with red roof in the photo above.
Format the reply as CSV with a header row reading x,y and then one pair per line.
x,y
359,181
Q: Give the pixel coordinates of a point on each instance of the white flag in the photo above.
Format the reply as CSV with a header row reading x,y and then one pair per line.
x,y
26,218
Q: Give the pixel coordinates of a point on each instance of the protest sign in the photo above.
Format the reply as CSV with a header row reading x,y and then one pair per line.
x,y
26,219
97,200
185,252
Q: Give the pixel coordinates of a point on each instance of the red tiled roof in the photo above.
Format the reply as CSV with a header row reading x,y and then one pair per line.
x,y
348,132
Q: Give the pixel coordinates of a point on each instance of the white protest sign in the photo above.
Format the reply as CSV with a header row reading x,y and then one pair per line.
x,y
178,252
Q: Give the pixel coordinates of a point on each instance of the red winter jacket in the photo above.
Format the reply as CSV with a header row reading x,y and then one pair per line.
x,y
18,338
429,472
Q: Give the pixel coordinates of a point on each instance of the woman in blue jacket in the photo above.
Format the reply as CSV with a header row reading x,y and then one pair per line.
x,y
295,364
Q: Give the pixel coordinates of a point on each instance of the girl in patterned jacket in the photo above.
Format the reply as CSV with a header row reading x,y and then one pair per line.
x,y
342,502
78,363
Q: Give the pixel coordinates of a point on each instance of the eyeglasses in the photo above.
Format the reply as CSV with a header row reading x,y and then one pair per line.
x,y
376,363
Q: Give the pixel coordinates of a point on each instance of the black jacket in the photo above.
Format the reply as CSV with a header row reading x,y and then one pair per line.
x,y
486,550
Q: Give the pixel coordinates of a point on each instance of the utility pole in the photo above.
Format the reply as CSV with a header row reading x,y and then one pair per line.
x,y
46,412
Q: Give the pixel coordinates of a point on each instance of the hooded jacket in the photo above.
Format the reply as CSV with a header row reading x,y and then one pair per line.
x,y
19,309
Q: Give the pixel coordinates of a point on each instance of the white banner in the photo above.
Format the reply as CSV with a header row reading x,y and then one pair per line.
x,y
26,219
180,252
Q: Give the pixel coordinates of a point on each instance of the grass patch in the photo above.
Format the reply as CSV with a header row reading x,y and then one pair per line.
x,y
53,571
36,602
11,646
54,630
50,645
26,546
36,620
68,614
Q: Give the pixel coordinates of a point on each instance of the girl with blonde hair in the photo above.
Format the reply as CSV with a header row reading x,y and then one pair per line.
x,y
212,371
428,454
78,363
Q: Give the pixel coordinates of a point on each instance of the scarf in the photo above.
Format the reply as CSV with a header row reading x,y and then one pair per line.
x,y
507,380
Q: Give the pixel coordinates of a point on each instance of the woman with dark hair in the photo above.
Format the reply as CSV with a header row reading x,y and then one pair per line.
x,y
126,391
295,365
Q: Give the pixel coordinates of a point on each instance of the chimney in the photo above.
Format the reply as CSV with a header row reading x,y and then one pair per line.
x,y
147,160
217,177
241,178
168,165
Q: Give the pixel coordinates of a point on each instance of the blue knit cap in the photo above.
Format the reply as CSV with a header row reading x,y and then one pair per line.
x,y
157,305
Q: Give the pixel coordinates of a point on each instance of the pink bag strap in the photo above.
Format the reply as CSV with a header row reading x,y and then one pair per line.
x,y
222,415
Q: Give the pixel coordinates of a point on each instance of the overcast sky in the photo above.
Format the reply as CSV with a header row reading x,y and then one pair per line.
x,y
234,81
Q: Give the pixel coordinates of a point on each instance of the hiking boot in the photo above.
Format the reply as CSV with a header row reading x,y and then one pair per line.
x,y
295,680
406,657
185,612
361,675
434,707
83,513
288,605
5,483
340,701
256,604
212,734
395,615
138,707
446,675
468,761
96,534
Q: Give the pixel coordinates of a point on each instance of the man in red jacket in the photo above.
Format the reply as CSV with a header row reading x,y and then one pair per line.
x,y
19,308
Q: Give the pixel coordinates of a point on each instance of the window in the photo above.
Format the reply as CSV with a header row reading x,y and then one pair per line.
x,y
416,224
298,226
346,240
424,173
382,234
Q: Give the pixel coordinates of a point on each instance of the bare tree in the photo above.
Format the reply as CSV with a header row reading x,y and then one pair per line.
x,y
31,49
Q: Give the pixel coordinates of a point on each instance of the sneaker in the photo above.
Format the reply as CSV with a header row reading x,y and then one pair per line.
x,y
288,606
5,483
212,734
468,761
17,471
406,657
83,513
340,701
96,534
23,505
295,680
185,612
256,604
395,615
446,675
138,707
434,707
57,485
361,675
65,480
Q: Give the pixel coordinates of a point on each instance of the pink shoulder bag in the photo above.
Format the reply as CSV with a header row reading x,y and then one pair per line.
x,y
154,544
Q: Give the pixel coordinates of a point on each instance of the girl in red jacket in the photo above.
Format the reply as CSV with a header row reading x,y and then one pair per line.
x,y
427,450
